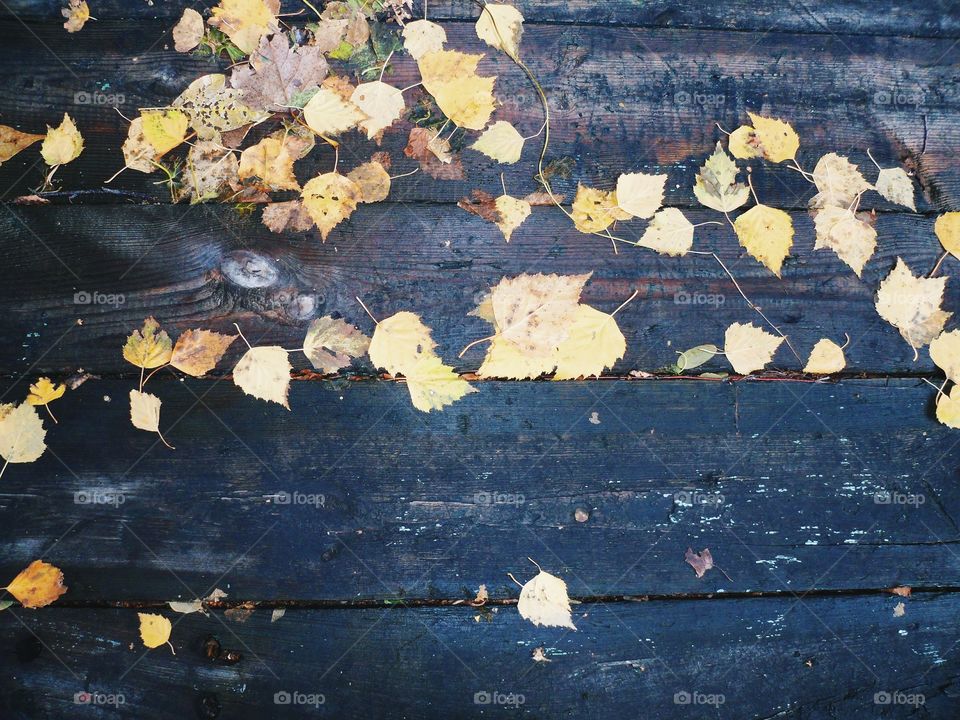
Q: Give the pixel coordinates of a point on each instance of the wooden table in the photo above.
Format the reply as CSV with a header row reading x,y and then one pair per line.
x,y
814,498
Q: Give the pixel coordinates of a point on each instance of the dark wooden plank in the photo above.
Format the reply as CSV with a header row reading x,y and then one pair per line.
x,y
765,657
180,263
779,480
937,18
621,99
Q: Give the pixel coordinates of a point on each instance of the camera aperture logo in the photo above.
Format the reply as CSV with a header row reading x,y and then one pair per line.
x,y
495,697
710,299
689,498
86,297
92,697
887,497
896,697
99,496
698,698
99,98
296,497
295,697
498,498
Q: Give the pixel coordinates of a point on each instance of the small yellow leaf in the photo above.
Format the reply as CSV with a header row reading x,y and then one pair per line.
x,y
501,26
463,96
948,408
716,184
839,182
245,22
62,144
21,434
749,347
742,143
947,228
592,209
13,141
544,602
500,141
840,230
264,373
767,234
381,103
775,138
513,211
422,36
595,343
44,391
197,352
400,342
271,160
433,385
188,33
150,347
373,181
77,13
38,585
912,304
154,630
945,352
640,194
896,186
164,129
329,199
328,113
669,233
145,411
826,358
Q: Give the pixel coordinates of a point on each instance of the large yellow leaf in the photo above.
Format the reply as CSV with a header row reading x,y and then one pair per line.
x,y
38,585
536,311
245,22
640,194
826,358
264,372
21,435
912,304
433,385
749,347
382,103
462,95
197,352
595,342
329,199
544,602
62,144
13,141
148,348
505,359
328,113
767,234
840,230
945,352
154,630
400,341
500,141
775,139
501,26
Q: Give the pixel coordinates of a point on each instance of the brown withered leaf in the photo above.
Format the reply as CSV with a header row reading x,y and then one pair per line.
x,y
271,161
278,74
38,585
209,173
482,204
423,147
700,562
901,590
197,352
290,215
330,344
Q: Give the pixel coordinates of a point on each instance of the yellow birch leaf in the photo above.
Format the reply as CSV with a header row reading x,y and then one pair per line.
x,y
43,391
669,233
513,211
536,311
422,36
164,129
188,33
826,358
748,347
505,359
595,342
148,348
329,199
640,194
197,352
947,228
328,113
767,234
272,161
896,186
840,230
839,182
77,13
211,172
433,385
775,138
592,209
544,602
38,585
500,141
138,153
330,344
462,95
62,144
21,435
501,26
13,141
945,352
742,143
399,342
145,411
264,373
373,181
912,304
154,630
716,184
382,103
245,22
214,108
948,408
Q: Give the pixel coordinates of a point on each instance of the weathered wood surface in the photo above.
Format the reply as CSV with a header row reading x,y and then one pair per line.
x,y
621,100
194,266
787,484
936,18
810,657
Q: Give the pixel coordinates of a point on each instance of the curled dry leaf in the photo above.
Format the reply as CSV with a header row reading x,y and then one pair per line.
x,y
77,13
197,352
912,304
640,194
716,185
947,228
13,141
213,108
464,97
287,216
433,154
544,602
896,186
422,36
154,630
945,353
826,358
211,172
749,347
62,144
330,344
838,181
501,142
700,562
767,234
278,75
38,585
245,22
373,180
669,233
149,347
329,199
264,373
501,26
186,607
381,103
840,230
188,32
